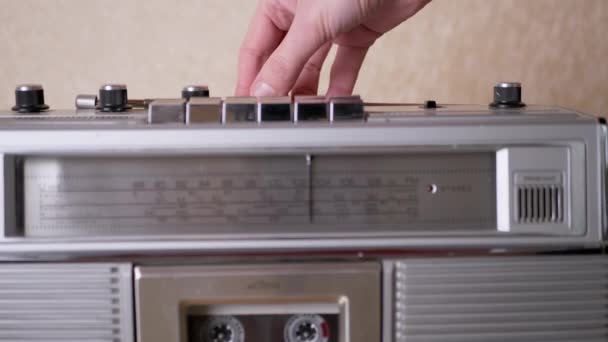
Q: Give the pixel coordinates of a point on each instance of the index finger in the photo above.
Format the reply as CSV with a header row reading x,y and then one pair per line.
x,y
261,40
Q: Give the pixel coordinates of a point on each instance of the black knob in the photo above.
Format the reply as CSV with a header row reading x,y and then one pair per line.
x,y
507,95
195,91
29,99
113,98
430,104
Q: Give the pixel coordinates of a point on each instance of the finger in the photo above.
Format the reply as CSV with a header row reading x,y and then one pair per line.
x,y
281,70
262,38
345,70
308,81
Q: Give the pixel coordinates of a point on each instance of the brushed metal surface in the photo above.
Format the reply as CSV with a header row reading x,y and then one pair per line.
x,y
540,298
66,302
165,295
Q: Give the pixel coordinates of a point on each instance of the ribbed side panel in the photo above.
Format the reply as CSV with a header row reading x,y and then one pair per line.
x,y
66,302
502,299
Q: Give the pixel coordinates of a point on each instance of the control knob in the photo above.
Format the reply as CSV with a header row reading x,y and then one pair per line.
x,y
195,91
507,95
113,98
29,98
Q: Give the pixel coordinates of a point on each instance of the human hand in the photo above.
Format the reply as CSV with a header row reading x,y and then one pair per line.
x,y
288,41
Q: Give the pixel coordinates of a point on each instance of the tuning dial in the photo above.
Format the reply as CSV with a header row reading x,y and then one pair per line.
x,y
507,95
29,98
113,98
195,91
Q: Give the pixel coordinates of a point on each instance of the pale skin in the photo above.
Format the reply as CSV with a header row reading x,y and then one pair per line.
x,y
288,42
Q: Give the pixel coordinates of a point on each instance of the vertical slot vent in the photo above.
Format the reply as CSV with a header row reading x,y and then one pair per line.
x,y
515,299
539,204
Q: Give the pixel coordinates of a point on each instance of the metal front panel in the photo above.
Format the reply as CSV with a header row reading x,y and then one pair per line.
x,y
420,133
278,194
541,298
66,302
167,297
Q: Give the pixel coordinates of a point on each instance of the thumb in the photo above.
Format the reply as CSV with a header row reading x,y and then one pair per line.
x,y
280,72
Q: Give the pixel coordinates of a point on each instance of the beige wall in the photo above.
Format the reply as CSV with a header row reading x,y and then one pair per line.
x,y
453,51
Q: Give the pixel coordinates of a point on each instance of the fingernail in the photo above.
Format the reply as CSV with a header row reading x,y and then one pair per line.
x,y
263,89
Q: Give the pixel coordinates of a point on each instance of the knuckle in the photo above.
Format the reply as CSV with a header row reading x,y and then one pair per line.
x,y
341,89
325,28
279,14
312,67
247,51
243,86
362,37
280,68
319,24
305,90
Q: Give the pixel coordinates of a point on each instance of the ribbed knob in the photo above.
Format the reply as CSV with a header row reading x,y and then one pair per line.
x,y
507,95
29,98
113,98
195,91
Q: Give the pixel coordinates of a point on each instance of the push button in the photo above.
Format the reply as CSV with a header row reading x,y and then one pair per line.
x,y
346,108
240,109
166,111
274,109
204,110
310,108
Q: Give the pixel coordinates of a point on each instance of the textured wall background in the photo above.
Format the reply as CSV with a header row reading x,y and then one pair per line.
x,y
453,51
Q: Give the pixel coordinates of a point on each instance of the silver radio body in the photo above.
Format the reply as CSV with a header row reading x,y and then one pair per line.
x,y
458,223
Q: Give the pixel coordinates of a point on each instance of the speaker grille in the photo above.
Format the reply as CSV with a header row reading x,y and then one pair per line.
x,y
540,204
66,302
502,299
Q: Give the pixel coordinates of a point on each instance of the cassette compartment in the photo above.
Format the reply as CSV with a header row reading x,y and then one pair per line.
x,y
326,302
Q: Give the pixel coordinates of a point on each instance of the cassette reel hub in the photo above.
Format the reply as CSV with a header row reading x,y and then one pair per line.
x,y
222,329
306,328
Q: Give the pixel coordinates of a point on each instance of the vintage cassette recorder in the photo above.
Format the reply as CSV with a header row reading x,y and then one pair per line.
x,y
305,219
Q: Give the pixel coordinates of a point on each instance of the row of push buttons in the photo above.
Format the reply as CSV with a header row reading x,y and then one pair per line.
x,y
255,110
